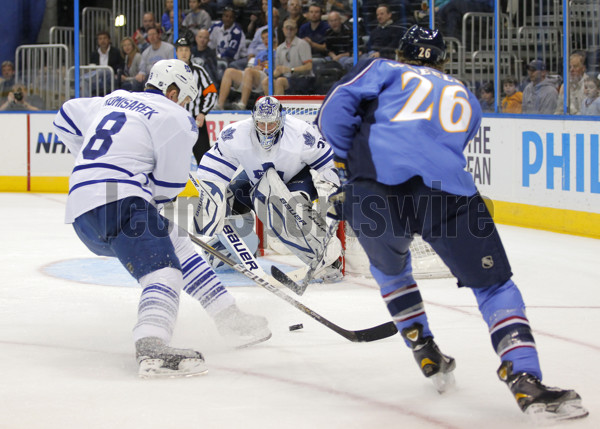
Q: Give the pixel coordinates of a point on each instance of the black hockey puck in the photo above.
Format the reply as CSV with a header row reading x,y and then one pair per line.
x,y
296,327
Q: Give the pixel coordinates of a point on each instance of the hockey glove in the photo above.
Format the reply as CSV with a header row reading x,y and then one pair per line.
x,y
336,201
342,170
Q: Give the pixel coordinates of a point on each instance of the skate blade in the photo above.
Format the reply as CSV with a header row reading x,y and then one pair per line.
x,y
153,368
443,382
569,410
254,341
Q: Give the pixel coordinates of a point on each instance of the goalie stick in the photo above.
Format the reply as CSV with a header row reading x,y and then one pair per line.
x,y
364,335
237,245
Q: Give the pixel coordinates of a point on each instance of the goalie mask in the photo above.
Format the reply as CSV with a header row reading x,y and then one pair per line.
x,y
268,120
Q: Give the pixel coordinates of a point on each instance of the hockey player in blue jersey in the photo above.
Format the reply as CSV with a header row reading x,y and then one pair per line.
x,y
398,130
132,153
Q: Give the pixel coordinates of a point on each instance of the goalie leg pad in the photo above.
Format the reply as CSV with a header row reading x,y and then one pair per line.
x,y
289,218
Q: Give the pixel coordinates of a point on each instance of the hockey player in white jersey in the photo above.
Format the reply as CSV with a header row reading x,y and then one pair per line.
x,y
132,151
277,153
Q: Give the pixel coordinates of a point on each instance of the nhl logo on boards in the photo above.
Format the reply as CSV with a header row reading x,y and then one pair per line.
x,y
487,262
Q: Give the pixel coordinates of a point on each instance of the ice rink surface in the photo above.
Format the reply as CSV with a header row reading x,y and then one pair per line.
x,y
67,357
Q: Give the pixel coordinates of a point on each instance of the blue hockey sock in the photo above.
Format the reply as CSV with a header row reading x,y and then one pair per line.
x,y
402,298
503,310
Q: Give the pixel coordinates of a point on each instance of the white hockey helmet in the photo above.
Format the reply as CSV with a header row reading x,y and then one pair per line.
x,y
268,119
166,72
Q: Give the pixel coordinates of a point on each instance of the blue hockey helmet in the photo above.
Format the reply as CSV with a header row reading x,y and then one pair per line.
x,y
423,44
268,117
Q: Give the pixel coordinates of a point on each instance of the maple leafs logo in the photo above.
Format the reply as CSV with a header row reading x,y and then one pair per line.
x,y
227,134
309,139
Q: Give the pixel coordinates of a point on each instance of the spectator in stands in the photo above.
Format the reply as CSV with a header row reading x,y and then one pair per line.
x,y
8,78
211,7
17,100
247,81
166,21
591,103
197,19
486,98
227,37
282,8
338,41
95,82
158,50
293,64
256,45
294,12
540,94
513,101
183,31
131,63
385,37
313,32
141,34
576,86
205,56
257,42
257,20
106,54
340,6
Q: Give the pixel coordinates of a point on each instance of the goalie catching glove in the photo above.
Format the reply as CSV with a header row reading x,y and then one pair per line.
x,y
209,215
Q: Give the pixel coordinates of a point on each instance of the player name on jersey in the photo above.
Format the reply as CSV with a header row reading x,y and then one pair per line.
x,y
133,105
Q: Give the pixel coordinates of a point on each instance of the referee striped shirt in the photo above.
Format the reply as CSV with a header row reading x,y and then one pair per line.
x,y
207,92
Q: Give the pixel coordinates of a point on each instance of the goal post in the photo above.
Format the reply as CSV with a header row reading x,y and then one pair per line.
x,y
426,263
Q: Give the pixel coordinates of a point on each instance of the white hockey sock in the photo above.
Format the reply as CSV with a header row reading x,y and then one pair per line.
x,y
202,284
159,304
199,278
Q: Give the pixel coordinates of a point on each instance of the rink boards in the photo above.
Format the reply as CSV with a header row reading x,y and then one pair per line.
x,y
539,172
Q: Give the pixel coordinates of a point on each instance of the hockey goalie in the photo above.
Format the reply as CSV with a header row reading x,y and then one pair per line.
x,y
285,166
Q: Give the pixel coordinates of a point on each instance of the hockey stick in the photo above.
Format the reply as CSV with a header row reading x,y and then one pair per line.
x,y
364,335
237,245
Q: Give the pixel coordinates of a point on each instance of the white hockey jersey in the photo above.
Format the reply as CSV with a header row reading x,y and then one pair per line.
x,y
300,145
125,144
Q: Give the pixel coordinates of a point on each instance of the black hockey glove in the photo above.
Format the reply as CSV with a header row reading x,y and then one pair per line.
x,y
335,205
337,198
342,170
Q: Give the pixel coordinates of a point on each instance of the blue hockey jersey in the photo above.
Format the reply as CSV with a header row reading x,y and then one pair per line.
x,y
393,121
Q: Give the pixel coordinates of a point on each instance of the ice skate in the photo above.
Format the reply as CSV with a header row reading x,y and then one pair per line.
x,y
156,359
242,329
541,403
433,363
330,274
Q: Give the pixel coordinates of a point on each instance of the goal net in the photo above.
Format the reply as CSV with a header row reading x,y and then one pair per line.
x,y
426,263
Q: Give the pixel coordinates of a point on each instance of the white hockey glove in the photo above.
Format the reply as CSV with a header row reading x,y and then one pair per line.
x,y
209,215
326,183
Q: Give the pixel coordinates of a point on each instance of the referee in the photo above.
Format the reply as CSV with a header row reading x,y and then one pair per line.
x,y
207,97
